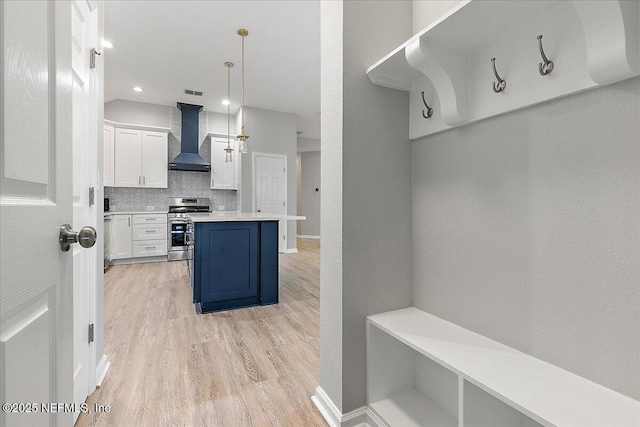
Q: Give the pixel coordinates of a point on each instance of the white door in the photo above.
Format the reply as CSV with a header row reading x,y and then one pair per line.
x,y
84,29
128,158
36,292
223,174
270,187
108,160
155,159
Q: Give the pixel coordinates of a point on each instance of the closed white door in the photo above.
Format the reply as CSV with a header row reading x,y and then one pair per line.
x,y
84,29
120,236
108,160
128,158
155,159
270,189
223,174
36,276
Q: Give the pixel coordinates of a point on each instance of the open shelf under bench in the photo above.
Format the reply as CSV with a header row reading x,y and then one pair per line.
x,y
413,355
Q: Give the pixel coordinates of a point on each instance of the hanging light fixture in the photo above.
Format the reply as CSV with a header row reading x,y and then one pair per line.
x,y
242,138
228,158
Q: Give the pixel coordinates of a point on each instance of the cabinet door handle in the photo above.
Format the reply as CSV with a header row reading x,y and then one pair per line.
x,y
150,231
129,221
144,180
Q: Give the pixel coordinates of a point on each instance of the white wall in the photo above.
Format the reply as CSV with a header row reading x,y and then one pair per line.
x,y
366,185
425,12
275,133
526,230
309,203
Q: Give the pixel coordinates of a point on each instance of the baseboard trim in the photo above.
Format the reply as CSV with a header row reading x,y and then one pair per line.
x,y
374,420
332,415
101,370
291,251
308,236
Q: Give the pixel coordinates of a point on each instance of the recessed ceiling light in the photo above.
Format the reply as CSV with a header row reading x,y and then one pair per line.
x,y
137,89
225,102
107,44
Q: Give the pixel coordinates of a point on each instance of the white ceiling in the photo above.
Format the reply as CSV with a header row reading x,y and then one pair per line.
x,y
166,47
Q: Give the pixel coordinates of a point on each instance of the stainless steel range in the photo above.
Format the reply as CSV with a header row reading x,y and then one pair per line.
x,y
180,226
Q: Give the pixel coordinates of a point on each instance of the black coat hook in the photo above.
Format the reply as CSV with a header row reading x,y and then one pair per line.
x,y
429,109
501,83
547,67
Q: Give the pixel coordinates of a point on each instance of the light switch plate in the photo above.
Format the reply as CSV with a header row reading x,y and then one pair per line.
x,y
221,208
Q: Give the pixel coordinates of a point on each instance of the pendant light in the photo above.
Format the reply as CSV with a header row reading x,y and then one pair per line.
x,y
228,158
242,138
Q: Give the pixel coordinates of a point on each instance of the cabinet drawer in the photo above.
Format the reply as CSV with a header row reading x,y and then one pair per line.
x,y
150,219
149,232
150,248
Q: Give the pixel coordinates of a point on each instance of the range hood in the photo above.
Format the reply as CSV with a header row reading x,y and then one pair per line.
x,y
189,159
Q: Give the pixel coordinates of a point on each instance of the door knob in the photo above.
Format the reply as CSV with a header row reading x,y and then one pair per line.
x,y
259,210
86,237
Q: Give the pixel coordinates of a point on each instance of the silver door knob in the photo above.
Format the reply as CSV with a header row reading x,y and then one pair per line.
x,y
86,237
259,210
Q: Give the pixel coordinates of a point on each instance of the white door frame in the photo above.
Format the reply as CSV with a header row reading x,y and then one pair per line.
x,y
282,223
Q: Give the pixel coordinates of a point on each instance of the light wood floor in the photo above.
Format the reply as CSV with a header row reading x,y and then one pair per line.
x,y
172,367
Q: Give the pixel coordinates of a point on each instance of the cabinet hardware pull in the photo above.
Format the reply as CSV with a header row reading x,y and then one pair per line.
x,y
129,221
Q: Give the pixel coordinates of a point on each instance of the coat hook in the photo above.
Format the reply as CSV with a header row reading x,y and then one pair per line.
x,y
501,83
547,67
429,109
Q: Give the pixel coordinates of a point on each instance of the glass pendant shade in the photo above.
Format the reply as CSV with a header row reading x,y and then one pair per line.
x,y
228,158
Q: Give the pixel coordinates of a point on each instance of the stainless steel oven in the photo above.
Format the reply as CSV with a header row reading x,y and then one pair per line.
x,y
179,223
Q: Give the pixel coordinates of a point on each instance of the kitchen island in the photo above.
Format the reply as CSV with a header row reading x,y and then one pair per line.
x,y
234,260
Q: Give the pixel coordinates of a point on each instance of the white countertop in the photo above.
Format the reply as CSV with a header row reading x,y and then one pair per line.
x,y
242,216
135,213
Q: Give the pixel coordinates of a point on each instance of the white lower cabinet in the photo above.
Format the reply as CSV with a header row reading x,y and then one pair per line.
x,y
138,235
120,237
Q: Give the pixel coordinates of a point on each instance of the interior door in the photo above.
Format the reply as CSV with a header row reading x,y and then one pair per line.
x,y
270,190
84,30
36,293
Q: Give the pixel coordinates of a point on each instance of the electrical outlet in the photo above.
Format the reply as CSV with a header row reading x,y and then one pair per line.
x,y
150,208
221,207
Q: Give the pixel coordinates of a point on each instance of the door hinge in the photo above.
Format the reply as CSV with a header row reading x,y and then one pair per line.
x,y
284,237
92,59
91,333
284,203
92,196
284,169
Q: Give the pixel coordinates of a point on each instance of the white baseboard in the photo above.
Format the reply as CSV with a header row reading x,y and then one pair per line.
x,y
308,236
291,251
101,370
332,415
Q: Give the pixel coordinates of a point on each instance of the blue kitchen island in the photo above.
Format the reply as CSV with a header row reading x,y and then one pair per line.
x,y
234,260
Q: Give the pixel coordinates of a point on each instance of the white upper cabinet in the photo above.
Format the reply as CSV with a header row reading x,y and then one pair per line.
x,y
140,159
108,160
128,158
155,152
224,176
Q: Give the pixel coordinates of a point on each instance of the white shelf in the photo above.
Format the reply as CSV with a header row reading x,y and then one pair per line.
x,y
543,392
592,43
410,408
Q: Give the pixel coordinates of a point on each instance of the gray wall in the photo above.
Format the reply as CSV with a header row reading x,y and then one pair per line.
x,y
526,230
274,133
308,144
138,113
310,198
366,184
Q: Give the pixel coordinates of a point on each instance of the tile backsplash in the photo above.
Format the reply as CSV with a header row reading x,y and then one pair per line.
x,y
181,183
